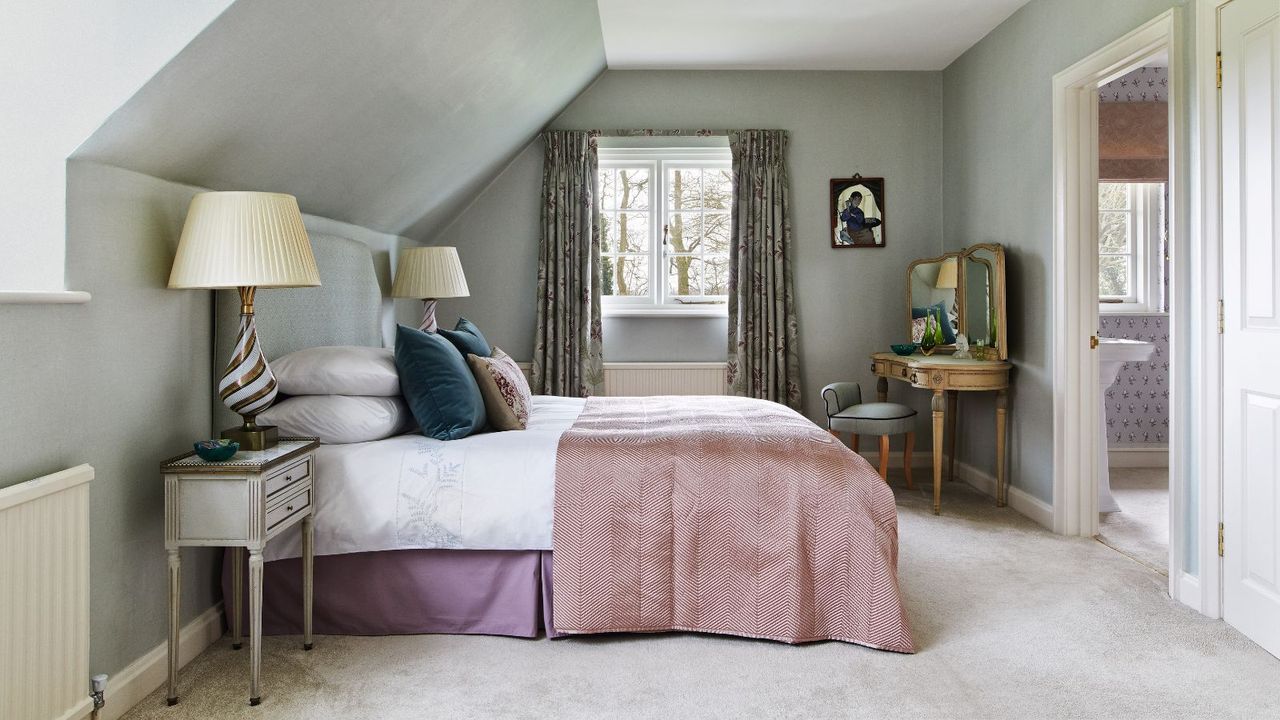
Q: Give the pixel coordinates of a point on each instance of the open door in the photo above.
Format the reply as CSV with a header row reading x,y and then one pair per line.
x,y
1249,32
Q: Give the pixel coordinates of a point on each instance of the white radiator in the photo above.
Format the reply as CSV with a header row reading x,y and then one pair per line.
x,y
44,597
640,379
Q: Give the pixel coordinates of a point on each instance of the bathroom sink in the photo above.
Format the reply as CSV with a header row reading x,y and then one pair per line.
x,y
1123,351
1113,353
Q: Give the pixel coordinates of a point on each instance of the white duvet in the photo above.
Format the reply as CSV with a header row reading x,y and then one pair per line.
x,y
492,491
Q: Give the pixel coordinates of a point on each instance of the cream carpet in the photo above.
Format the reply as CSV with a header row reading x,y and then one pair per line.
x,y
1011,620
1141,528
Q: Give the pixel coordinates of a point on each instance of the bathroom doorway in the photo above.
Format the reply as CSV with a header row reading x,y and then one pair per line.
x,y
1147,195
1134,267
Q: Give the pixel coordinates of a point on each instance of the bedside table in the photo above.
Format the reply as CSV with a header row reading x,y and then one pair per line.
x,y
241,503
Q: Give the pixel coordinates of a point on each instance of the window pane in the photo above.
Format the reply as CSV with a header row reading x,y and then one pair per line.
x,y
684,232
608,232
717,189
631,276
1113,276
684,189
606,275
633,189
608,189
715,229
633,232
715,276
1113,196
1113,232
682,275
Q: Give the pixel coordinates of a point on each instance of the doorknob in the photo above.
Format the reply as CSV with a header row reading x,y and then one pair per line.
x,y
1093,342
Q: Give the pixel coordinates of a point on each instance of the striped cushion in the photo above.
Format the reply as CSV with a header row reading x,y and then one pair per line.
x,y
504,388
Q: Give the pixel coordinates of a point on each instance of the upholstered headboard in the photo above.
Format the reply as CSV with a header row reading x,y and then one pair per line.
x,y
346,309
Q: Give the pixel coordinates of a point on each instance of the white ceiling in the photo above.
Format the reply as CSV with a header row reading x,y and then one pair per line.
x,y
795,34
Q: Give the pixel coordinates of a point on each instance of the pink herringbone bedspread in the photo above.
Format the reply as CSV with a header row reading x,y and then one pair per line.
x,y
723,515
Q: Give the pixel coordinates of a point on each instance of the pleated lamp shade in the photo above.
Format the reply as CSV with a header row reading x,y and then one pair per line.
x,y
947,275
429,272
244,239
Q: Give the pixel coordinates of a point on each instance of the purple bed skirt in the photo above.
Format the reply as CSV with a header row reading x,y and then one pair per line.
x,y
406,592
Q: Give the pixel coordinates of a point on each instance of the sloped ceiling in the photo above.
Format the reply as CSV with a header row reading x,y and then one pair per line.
x,y
389,114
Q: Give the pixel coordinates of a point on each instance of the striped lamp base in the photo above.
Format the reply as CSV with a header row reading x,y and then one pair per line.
x,y
247,386
428,316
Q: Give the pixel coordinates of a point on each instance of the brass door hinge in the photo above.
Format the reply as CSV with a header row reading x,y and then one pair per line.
x,y
1093,342
1221,542
1219,69
1222,318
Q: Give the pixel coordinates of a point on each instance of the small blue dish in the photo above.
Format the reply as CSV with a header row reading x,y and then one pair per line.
x,y
904,348
216,450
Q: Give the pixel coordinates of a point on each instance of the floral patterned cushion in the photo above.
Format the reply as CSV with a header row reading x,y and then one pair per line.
x,y
504,389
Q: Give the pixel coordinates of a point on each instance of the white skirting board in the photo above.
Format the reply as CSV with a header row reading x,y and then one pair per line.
x,y
143,676
1023,502
1138,457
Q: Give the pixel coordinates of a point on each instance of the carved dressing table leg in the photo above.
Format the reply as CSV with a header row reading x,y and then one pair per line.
x,y
308,576
882,389
237,596
1002,412
175,604
952,401
938,405
255,625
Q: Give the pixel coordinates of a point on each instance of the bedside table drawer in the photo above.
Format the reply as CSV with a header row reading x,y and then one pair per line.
x,y
283,511
284,481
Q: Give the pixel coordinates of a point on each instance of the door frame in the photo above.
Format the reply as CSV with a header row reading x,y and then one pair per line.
x,y
1075,311
1204,591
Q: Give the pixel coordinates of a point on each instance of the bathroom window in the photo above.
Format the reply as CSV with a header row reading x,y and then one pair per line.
x,y
1130,246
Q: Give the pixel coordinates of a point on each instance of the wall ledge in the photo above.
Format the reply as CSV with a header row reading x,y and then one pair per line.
x,y
43,297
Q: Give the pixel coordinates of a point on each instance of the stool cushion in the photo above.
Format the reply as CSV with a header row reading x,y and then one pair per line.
x,y
874,419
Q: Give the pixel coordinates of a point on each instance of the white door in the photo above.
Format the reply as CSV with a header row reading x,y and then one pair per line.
x,y
1249,32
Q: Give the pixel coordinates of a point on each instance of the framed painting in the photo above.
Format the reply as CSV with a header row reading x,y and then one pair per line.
x,y
857,212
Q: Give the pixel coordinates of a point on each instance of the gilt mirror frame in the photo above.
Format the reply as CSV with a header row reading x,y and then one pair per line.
x,y
959,296
1001,349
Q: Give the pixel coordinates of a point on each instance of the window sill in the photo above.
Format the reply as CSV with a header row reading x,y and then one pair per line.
x,y
671,312
43,297
1125,309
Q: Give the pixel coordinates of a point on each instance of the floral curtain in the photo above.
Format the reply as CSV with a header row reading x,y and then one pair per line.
x,y
763,350
567,355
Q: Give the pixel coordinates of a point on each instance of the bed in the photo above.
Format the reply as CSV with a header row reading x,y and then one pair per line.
x,y
722,515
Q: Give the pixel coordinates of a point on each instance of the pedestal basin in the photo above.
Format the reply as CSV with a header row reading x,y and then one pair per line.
x,y
1113,353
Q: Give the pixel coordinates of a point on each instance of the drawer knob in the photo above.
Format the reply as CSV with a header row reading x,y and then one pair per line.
x,y
904,372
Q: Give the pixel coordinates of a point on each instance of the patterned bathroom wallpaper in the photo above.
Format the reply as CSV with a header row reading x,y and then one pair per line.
x,y
1146,84
1138,402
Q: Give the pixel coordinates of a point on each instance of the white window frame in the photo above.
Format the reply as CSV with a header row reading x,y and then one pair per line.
x,y
659,302
1146,227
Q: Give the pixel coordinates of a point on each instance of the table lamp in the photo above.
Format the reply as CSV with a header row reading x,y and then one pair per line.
x,y
427,274
946,275
245,240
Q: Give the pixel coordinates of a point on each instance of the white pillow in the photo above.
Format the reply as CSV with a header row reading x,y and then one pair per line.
x,y
338,370
338,419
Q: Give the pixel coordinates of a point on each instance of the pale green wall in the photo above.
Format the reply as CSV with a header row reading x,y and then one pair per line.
x,y
121,383
997,172
850,302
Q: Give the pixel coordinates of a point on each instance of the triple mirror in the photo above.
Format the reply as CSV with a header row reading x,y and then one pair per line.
x,y
965,291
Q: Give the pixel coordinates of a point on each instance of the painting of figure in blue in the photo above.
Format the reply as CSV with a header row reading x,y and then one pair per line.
x,y
857,212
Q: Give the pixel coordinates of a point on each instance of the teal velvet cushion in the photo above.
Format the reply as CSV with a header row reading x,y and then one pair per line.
x,y
438,385
468,339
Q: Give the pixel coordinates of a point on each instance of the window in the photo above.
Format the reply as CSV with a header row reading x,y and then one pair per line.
x,y
664,230
1130,246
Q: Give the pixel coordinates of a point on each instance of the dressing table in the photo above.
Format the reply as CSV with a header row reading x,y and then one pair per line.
x,y
965,290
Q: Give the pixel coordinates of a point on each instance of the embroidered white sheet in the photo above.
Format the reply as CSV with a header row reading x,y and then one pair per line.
x,y
492,491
